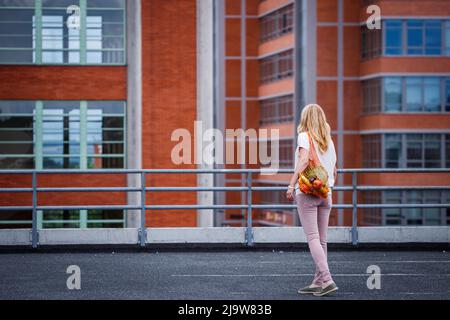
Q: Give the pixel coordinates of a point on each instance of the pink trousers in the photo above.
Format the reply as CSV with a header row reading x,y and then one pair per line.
x,y
314,215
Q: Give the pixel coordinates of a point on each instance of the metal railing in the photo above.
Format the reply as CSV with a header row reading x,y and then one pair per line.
x,y
249,188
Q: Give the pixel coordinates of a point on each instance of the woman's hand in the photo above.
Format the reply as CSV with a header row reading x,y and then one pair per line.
x,y
290,193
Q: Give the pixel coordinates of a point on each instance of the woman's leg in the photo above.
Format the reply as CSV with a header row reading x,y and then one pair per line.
x,y
323,217
308,208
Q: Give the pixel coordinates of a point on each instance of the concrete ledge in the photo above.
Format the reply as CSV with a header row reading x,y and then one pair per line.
x,y
224,236
196,235
88,236
416,234
15,237
296,234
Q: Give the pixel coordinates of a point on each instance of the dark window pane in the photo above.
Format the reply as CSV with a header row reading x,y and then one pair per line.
x,y
393,150
16,148
16,163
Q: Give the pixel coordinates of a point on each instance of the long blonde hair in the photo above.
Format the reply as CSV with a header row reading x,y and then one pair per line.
x,y
314,121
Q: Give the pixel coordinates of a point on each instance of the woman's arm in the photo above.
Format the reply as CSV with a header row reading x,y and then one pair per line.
x,y
302,163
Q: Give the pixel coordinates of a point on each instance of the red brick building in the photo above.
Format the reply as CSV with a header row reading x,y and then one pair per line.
x,y
135,71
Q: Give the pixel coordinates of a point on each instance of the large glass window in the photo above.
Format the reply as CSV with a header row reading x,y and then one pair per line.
x,y
415,216
411,37
37,32
396,150
424,37
406,94
405,216
62,134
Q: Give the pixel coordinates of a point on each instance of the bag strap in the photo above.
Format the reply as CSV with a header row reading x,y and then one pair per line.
x,y
312,151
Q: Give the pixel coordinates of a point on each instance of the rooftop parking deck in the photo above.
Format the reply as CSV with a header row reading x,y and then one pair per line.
x,y
245,274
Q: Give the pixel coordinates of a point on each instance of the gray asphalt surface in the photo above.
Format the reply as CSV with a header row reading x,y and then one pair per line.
x,y
221,275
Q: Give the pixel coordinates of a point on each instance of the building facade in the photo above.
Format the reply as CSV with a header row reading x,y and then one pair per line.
x,y
111,93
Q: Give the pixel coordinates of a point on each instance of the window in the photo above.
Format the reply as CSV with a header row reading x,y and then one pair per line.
x,y
371,43
17,127
423,151
286,153
447,38
277,110
62,134
277,67
277,23
406,216
36,32
394,37
393,150
423,94
424,37
398,150
371,151
55,219
371,96
392,94
277,217
415,216
406,94
447,95
17,42
447,150
410,37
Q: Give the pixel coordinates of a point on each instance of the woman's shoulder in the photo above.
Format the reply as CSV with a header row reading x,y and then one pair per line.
x,y
303,139
303,134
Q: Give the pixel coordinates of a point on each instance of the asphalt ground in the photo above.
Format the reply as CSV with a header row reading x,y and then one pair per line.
x,y
229,275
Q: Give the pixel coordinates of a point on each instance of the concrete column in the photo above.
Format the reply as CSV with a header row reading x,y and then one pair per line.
x,y
134,106
205,100
307,31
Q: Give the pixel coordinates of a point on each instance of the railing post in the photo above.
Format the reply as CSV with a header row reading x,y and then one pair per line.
x,y
355,209
249,230
142,230
34,231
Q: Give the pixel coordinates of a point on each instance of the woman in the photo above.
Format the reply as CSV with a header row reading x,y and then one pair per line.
x,y
314,211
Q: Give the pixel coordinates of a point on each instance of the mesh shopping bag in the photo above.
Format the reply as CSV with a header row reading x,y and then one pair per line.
x,y
314,179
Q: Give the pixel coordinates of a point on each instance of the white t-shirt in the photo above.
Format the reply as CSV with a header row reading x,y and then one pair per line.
x,y
327,159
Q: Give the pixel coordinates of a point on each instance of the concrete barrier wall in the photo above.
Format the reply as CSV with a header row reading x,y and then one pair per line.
x,y
20,237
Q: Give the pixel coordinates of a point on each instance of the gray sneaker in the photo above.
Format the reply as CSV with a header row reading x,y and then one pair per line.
x,y
309,290
328,289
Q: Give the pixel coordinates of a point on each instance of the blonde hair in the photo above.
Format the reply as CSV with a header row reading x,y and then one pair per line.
x,y
314,122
